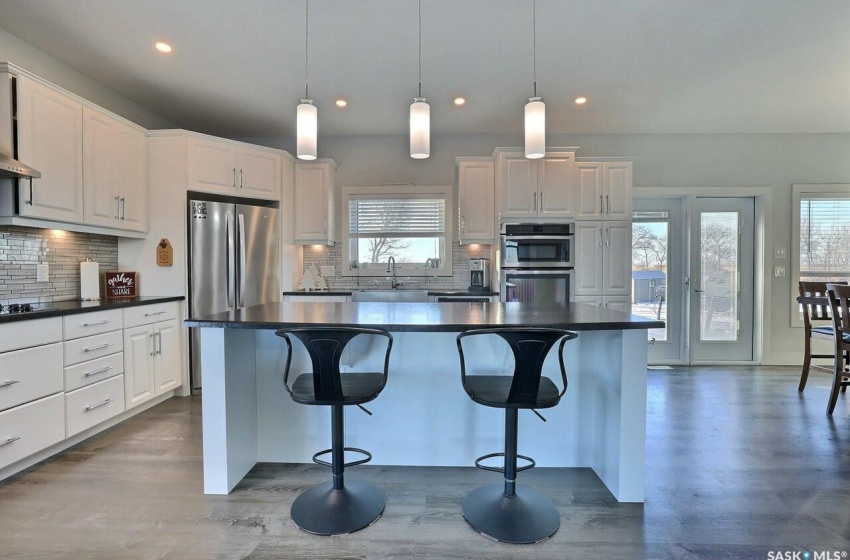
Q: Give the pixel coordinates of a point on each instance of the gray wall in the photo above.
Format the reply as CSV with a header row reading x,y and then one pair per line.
x,y
20,53
664,160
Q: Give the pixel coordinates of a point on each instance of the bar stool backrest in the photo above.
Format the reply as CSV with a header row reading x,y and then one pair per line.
x,y
811,311
839,301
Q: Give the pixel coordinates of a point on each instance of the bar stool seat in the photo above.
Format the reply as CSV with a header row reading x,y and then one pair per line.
x,y
506,512
357,388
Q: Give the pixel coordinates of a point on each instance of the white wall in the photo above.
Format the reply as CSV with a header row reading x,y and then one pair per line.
x,y
664,160
20,53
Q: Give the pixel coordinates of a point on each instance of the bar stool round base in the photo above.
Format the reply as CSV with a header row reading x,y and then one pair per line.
x,y
321,510
528,517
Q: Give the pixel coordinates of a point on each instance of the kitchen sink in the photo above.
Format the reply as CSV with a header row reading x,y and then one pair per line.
x,y
364,296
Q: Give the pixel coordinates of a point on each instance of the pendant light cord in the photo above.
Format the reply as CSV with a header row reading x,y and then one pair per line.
x,y
420,48
534,42
306,46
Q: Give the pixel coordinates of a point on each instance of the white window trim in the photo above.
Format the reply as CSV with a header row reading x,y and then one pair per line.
x,y
398,191
797,192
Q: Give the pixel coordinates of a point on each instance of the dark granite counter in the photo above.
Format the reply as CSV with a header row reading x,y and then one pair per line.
x,y
430,292
424,317
72,307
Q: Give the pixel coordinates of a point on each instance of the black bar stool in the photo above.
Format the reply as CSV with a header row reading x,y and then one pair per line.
x,y
335,507
507,513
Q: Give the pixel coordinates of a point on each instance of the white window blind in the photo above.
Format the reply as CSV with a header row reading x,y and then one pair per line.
x,y
824,235
396,217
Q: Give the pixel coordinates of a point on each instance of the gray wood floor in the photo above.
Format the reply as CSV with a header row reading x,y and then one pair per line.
x,y
738,464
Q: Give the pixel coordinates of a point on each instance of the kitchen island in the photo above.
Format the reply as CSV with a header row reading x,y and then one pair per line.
x,y
423,416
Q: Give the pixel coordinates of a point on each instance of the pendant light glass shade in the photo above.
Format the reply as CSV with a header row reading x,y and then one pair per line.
x,y
307,122
535,128
420,129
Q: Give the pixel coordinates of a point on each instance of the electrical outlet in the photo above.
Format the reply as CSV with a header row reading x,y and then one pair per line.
x,y
779,271
327,271
42,272
779,253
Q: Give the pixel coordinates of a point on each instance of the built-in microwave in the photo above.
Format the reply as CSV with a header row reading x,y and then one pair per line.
x,y
537,246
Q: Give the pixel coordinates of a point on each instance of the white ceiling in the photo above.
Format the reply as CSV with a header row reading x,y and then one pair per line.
x,y
656,66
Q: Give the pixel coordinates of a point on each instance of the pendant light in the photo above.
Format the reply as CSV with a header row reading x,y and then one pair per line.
x,y
307,116
535,111
420,113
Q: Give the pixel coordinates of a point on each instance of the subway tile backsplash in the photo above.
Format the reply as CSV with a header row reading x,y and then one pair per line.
x,y
21,249
321,255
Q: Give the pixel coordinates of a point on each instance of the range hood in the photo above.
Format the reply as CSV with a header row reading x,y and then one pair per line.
x,y
12,168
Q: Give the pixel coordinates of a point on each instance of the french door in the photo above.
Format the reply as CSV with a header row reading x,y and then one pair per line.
x,y
721,279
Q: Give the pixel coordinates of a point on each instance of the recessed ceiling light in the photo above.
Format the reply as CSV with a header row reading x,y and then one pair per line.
x,y
581,100
163,47
341,103
460,101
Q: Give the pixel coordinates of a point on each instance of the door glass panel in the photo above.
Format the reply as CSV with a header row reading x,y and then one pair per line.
x,y
650,231
719,257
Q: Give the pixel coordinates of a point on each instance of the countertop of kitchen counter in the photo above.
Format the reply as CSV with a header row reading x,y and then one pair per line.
x,y
424,317
430,292
72,307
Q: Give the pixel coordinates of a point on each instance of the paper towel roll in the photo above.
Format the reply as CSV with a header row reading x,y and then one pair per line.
x,y
89,280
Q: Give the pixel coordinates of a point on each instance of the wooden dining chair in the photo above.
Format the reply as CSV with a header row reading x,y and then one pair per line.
x,y
839,303
817,322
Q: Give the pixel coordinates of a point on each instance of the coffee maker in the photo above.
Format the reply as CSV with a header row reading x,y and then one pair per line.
x,y
479,275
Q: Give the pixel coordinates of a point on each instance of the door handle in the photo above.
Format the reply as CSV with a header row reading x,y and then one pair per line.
x,y
8,383
234,177
29,202
607,204
535,202
95,372
601,209
123,208
228,265
600,237
241,180
153,344
10,440
541,202
699,291
98,405
99,347
117,207
242,262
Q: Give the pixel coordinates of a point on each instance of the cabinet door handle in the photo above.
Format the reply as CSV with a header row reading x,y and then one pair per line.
x,y
607,205
234,177
159,343
98,405
7,383
600,237
155,313
541,202
601,209
607,237
29,202
153,344
123,208
241,180
95,372
10,440
93,348
117,207
97,323
535,202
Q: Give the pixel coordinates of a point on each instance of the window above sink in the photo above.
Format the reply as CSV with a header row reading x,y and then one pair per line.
x,y
405,222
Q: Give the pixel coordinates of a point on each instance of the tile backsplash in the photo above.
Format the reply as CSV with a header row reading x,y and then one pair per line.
x,y
21,249
321,255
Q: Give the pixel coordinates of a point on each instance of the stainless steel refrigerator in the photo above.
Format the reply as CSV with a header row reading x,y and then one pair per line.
x,y
234,262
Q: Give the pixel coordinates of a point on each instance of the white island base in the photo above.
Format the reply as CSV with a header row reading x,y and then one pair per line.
x,y
423,417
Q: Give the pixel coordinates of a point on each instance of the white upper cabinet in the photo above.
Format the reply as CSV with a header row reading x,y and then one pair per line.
x,y
114,172
50,139
589,247
226,167
603,258
315,203
604,190
541,188
476,210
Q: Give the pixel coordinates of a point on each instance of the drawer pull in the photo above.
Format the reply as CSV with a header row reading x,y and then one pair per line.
x,y
101,370
101,347
10,440
152,314
7,383
98,405
97,323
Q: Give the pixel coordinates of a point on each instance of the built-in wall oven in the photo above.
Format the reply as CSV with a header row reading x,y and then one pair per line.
x,y
536,262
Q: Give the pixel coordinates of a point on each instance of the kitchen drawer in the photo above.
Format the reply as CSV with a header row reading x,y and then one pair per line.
x,y
94,404
31,427
31,332
27,375
147,314
93,371
91,347
96,322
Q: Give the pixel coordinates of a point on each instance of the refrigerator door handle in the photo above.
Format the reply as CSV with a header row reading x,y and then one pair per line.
x,y
230,271
242,261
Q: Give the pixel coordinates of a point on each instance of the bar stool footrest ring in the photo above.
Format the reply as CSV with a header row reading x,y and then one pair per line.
x,y
352,463
531,464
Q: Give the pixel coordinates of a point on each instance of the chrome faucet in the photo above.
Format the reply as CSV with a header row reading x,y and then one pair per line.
x,y
429,265
391,268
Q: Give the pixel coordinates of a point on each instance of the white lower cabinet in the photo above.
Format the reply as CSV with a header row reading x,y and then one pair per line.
x,y
151,361
29,374
93,404
31,427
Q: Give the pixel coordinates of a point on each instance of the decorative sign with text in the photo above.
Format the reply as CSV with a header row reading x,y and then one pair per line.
x,y
164,253
119,284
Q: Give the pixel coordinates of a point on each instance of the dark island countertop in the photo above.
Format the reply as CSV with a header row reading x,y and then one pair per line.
x,y
72,307
424,317
430,292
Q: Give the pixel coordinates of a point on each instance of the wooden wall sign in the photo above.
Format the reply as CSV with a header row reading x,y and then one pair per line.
x,y
164,253
119,284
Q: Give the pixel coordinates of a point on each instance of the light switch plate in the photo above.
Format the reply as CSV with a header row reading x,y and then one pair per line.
x,y
779,271
42,272
779,253
327,271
